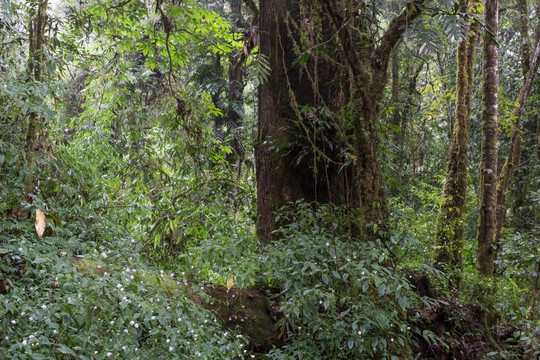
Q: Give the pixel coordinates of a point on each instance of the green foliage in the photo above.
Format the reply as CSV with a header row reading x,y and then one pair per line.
x,y
66,296
341,298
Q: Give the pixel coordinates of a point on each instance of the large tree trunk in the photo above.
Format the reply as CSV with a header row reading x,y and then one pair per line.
x,y
450,225
487,227
318,120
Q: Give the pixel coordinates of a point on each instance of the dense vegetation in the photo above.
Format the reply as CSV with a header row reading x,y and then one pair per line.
x,y
279,179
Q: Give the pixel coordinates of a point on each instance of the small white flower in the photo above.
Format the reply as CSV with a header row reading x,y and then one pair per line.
x,y
124,348
31,318
43,306
23,313
54,331
125,331
131,322
153,317
171,348
112,322
7,337
24,342
109,354
199,354
13,322
20,249
136,326
168,341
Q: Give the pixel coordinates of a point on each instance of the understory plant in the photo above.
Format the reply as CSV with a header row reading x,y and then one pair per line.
x,y
340,297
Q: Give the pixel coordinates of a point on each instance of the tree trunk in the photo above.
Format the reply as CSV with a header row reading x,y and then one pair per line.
x,y
515,150
36,58
235,107
488,168
318,120
450,226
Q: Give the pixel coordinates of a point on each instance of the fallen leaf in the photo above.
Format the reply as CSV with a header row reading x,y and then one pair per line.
x,y
230,282
40,222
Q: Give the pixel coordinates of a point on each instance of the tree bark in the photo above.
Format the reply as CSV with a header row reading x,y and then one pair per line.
x,y
487,223
450,228
235,107
318,120
514,156
36,58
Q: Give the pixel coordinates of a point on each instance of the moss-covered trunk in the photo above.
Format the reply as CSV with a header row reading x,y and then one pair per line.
x,y
36,58
487,222
514,156
450,228
318,119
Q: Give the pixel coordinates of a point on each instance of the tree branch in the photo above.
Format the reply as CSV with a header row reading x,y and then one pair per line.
x,y
397,27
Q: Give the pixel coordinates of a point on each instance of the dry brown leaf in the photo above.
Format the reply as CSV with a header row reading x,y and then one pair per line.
x,y
41,223
230,282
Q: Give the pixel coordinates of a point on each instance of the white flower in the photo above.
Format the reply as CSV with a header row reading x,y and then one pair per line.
x,y
131,322
31,318
168,341
171,348
13,322
125,331
153,317
43,306
112,322
109,354
20,249
24,342
136,326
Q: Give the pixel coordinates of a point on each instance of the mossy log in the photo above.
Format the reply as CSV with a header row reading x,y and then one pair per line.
x,y
248,311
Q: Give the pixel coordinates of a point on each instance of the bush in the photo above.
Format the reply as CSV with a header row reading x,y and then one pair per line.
x,y
65,297
340,296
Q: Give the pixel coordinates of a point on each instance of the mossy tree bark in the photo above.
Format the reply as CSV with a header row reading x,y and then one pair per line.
x,y
487,223
514,156
36,58
318,120
450,228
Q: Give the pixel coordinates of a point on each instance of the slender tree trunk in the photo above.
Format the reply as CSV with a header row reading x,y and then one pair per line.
x,y
450,227
487,227
35,68
524,217
515,150
36,57
235,109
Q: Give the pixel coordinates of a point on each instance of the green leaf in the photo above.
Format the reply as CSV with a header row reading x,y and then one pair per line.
x,y
65,350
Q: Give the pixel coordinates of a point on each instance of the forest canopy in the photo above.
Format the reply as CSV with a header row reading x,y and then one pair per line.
x,y
229,179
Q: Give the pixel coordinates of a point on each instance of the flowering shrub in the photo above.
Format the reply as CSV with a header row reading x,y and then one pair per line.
x,y
63,298
340,297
